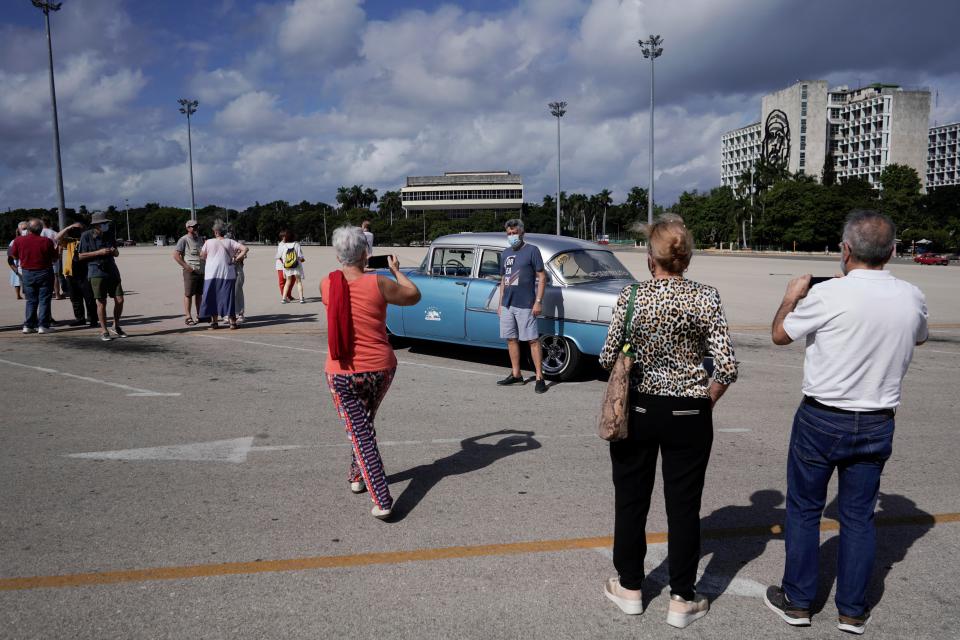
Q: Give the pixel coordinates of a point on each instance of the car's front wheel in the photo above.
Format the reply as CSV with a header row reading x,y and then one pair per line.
x,y
560,357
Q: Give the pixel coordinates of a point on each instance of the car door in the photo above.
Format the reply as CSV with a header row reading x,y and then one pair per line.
x,y
440,312
483,296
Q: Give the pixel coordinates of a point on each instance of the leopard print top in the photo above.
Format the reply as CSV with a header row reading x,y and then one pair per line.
x,y
676,322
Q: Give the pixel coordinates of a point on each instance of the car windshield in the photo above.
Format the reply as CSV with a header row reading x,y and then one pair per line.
x,y
588,265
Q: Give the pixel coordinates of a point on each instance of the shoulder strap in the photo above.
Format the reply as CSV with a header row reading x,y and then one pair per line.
x,y
627,330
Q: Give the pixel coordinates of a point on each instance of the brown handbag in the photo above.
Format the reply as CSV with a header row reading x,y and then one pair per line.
x,y
615,410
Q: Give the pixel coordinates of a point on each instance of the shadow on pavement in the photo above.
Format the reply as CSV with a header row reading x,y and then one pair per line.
x,y
728,554
250,321
473,455
903,525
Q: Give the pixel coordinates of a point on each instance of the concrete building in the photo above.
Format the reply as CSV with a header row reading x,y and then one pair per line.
x,y
862,130
460,193
943,157
740,148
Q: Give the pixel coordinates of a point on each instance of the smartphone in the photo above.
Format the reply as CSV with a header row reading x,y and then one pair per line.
x,y
378,262
815,280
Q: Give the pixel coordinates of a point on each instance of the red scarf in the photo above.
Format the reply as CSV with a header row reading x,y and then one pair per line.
x,y
339,319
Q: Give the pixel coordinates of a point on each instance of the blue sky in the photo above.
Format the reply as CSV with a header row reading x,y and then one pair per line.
x,y
298,97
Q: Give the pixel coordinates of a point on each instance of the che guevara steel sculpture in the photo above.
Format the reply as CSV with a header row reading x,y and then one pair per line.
x,y
776,139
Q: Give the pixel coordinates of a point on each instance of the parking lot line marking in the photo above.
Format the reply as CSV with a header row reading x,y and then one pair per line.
x,y
399,361
134,391
187,572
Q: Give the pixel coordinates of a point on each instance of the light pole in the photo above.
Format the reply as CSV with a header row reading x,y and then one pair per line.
x,y
47,7
557,109
651,49
126,203
189,107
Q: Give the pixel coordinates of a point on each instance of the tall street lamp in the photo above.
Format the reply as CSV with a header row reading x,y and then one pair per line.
x,y
126,204
189,107
47,7
651,49
557,109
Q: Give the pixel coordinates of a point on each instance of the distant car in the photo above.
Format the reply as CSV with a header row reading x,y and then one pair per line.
x,y
459,280
129,243
604,239
931,258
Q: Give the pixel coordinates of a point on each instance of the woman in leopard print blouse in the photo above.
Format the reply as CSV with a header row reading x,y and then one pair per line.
x,y
676,323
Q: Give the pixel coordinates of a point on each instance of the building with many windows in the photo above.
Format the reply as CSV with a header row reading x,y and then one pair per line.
x,y
460,193
859,132
943,156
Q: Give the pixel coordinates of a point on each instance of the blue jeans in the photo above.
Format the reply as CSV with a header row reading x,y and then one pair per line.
x,y
37,287
857,446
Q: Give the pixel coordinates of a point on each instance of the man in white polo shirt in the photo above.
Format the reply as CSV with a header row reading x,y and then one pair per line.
x,y
860,333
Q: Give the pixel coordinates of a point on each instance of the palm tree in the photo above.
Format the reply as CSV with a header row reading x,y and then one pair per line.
x,y
369,197
390,204
604,200
578,205
345,198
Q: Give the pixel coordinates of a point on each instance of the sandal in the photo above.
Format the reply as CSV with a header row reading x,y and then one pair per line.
x,y
233,324
214,325
189,321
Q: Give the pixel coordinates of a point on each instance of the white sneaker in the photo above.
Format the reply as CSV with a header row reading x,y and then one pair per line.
x,y
358,487
629,607
380,514
28,330
682,612
46,330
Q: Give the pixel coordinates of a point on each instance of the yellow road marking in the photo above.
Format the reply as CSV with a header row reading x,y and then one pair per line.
x,y
398,557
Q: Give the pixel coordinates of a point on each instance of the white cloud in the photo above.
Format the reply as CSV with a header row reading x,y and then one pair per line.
x,y
250,113
219,85
320,32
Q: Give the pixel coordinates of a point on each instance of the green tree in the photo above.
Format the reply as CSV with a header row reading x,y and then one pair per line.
x,y
900,195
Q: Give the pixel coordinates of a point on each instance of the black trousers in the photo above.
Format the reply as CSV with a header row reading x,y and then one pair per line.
x,y
82,295
682,429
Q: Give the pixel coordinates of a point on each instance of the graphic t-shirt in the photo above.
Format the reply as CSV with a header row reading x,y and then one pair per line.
x,y
518,269
189,248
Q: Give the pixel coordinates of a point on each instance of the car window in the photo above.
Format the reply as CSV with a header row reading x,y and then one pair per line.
x,y
490,264
452,261
588,265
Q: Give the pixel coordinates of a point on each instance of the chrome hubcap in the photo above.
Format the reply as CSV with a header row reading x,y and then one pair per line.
x,y
555,354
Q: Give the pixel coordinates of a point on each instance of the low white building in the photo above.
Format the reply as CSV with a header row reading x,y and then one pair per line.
x,y
740,148
943,157
460,193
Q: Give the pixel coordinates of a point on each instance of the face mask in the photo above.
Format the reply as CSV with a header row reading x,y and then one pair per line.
x,y
514,240
24,232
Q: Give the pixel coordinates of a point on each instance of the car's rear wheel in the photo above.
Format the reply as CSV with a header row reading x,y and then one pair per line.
x,y
560,357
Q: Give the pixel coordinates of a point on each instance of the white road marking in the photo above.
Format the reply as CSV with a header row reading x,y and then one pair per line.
x,y
234,450
134,391
734,430
713,585
324,351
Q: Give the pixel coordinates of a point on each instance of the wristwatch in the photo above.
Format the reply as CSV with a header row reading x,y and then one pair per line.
x,y
539,300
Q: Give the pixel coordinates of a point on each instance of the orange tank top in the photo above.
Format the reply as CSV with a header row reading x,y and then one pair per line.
x,y
371,348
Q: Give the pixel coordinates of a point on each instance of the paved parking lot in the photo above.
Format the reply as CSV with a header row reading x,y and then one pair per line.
x,y
191,483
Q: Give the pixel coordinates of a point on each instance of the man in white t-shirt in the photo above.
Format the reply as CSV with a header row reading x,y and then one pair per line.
x,y
48,232
860,333
365,225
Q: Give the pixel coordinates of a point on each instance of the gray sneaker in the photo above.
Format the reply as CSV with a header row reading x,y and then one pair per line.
x,y
46,330
777,601
854,624
106,337
28,330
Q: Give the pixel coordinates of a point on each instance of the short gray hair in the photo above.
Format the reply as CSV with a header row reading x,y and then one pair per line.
x,y
350,245
35,225
23,224
870,236
514,223
220,227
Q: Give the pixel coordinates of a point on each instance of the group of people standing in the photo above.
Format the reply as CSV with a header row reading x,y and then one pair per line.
x,y
860,331
213,275
84,256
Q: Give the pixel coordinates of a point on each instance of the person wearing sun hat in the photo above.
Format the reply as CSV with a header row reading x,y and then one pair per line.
x,y
98,250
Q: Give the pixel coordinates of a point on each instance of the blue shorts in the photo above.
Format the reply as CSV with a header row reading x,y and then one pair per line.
x,y
518,323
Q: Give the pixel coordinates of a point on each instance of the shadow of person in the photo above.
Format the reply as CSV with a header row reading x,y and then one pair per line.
x,y
732,536
473,455
900,523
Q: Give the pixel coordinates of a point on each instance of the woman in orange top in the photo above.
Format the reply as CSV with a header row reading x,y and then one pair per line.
x,y
360,361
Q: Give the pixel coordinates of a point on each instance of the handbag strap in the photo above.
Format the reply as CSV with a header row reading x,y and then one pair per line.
x,y
627,326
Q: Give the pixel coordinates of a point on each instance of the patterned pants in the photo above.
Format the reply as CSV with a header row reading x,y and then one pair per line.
x,y
357,397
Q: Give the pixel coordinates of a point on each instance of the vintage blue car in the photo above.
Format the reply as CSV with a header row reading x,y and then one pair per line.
x,y
459,280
